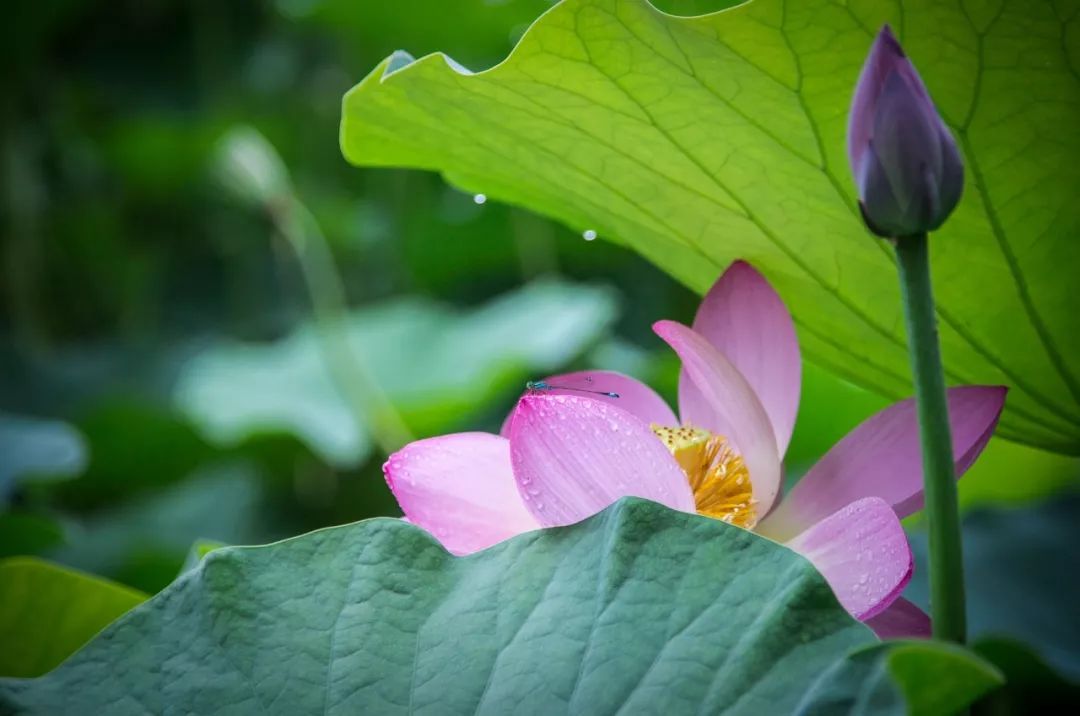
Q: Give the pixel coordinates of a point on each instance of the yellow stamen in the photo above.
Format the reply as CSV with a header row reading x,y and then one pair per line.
x,y
717,474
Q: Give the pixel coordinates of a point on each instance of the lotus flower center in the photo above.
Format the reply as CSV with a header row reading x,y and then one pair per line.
x,y
717,474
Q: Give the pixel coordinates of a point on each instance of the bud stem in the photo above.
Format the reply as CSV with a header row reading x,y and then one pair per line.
x,y
939,479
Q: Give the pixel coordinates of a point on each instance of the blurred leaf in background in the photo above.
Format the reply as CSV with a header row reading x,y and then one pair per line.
x,y
1031,686
32,450
130,272
48,612
909,677
1021,571
137,447
28,534
144,542
440,368
30,447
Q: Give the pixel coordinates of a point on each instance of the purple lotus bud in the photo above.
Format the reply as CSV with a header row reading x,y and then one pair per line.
x,y
907,169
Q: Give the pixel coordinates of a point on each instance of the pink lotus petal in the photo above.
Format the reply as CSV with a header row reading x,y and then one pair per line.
x,y
901,620
634,396
461,489
882,458
574,456
862,552
745,319
724,403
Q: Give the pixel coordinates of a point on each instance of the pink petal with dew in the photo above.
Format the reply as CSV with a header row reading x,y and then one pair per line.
x,y
634,396
901,620
862,552
745,319
573,456
459,488
724,403
882,458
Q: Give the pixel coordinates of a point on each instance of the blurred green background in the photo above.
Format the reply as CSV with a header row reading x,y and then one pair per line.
x,y
213,328
161,377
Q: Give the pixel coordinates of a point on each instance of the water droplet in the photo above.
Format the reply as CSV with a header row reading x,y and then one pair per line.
x,y
480,198
588,235
864,578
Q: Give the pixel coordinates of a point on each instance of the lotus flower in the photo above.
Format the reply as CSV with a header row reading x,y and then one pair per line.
x,y
564,455
907,169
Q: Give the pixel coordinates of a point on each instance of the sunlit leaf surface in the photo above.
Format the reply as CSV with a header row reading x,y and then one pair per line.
x,y
699,140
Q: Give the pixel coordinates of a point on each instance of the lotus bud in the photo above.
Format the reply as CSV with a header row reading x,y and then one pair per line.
x,y
907,168
249,168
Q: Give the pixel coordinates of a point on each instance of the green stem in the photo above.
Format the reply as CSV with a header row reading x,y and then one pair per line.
x,y
939,479
346,366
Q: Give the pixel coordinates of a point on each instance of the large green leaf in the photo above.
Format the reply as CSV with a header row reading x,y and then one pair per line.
x,y
47,612
436,365
700,140
922,678
640,607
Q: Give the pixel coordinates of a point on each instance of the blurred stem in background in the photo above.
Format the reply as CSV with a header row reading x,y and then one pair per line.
x,y
534,240
346,365
22,202
252,171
